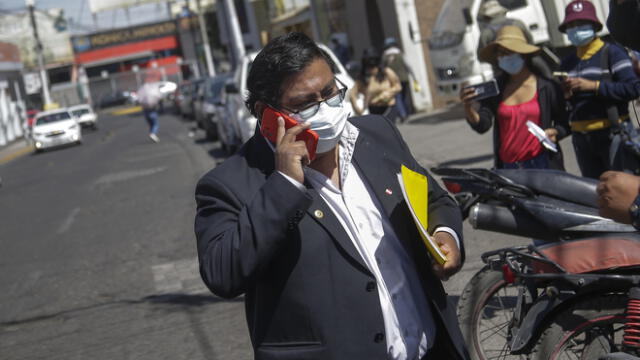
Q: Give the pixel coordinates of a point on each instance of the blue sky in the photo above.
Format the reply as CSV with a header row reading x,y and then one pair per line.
x,y
79,11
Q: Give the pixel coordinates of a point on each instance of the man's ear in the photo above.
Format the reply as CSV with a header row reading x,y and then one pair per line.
x,y
259,108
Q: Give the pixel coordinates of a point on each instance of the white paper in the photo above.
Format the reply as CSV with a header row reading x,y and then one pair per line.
x,y
541,136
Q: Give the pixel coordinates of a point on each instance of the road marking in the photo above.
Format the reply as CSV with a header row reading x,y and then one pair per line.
x,y
108,179
16,154
66,225
181,276
127,111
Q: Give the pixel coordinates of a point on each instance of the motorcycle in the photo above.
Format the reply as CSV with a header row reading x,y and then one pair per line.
x,y
527,302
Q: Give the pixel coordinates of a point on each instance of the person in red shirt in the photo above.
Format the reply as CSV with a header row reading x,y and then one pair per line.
x,y
524,96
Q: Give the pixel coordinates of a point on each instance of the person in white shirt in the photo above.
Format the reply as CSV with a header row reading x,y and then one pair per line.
x,y
149,97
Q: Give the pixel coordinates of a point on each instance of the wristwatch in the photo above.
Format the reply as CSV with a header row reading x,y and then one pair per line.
x,y
634,211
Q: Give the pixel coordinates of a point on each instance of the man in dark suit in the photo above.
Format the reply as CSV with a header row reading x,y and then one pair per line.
x,y
325,249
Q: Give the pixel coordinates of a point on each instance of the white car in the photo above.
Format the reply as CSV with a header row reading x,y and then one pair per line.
x,y
236,89
85,115
54,128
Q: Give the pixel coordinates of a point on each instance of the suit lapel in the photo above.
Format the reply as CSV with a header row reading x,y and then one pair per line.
x,y
322,214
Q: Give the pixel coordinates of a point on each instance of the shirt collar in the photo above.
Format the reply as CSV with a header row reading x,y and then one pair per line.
x,y
347,146
585,52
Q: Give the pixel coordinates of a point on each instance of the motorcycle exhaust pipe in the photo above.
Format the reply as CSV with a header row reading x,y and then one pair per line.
x,y
505,220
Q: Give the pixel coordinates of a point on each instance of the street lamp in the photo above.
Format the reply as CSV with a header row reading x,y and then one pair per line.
x,y
43,73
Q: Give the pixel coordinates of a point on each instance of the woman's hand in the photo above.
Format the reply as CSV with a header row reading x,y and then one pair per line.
x,y
552,134
466,96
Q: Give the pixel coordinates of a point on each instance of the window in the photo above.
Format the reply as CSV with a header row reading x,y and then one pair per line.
x,y
513,4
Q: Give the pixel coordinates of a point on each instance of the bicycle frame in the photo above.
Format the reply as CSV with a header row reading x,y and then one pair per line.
x,y
542,294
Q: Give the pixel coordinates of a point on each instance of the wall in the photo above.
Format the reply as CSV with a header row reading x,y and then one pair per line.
x,y
427,14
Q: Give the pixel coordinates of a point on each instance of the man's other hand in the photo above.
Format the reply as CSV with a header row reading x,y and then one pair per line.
x,y
616,192
449,247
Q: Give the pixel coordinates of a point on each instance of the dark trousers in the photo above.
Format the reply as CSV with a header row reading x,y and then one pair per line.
x,y
592,152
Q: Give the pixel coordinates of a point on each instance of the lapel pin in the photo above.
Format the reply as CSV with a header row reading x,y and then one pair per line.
x,y
319,214
388,192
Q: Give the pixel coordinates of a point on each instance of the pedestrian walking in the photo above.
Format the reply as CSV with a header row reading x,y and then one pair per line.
x,y
149,97
381,84
524,96
393,57
358,92
600,83
325,249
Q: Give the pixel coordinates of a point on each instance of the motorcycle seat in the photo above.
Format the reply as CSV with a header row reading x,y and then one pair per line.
x,y
555,183
592,254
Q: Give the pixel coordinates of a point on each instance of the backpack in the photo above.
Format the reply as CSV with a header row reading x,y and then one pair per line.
x,y
624,151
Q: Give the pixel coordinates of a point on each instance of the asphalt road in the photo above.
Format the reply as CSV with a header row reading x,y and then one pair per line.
x,y
98,257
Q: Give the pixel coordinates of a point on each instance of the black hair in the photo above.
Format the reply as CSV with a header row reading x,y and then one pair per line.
x,y
281,57
371,58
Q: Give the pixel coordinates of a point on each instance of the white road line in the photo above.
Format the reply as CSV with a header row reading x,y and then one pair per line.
x,y
66,225
181,276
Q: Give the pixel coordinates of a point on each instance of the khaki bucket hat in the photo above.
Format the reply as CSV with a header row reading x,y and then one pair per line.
x,y
509,37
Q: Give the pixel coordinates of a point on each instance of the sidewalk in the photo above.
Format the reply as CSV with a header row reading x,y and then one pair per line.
x,y
14,150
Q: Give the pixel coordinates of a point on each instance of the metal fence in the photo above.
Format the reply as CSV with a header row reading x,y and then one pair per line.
x,y
120,85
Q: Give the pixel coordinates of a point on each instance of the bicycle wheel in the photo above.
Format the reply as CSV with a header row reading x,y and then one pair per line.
x,y
586,330
484,312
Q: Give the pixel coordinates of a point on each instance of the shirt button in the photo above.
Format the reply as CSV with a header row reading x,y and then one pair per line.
x,y
378,338
371,286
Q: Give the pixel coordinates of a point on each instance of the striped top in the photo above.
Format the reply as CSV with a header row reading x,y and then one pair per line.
x,y
624,87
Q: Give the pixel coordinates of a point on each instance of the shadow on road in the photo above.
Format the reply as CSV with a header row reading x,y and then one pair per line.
x,y
466,161
452,113
187,299
179,300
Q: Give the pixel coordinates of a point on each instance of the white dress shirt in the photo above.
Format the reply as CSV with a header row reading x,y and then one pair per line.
x,y
409,325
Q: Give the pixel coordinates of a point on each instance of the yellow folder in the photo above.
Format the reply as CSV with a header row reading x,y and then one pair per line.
x,y
415,189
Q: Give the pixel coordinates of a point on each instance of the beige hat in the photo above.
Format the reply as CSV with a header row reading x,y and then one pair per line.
x,y
491,8
511,38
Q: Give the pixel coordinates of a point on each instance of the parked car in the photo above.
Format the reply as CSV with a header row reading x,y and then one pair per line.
x,y
55,128
242,119
189,91
178,97
227,133
85,115
117,98
205,103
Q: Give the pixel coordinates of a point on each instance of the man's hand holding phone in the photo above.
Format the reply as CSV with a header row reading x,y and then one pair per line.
x,y
291,154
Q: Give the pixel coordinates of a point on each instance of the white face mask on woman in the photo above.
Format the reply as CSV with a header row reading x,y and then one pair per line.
x,y
328,122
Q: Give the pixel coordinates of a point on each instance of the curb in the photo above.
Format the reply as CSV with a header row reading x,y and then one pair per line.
x,y
127,111
16,154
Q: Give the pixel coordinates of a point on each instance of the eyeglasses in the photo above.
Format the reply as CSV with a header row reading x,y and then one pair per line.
x,y
333,100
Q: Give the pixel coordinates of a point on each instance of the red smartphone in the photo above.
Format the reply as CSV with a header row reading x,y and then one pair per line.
x,y
269,129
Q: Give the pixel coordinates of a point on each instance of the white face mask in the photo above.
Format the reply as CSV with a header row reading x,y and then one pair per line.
x,y
328,122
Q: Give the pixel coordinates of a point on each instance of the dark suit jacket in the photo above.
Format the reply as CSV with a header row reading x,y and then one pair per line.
x,y
308,293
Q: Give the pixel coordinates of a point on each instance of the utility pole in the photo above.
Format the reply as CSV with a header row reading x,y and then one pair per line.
x,y
43,73
237,43
205,41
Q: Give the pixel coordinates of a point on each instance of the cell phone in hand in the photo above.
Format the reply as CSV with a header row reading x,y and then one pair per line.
x,y
484,90
560,74
269,129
